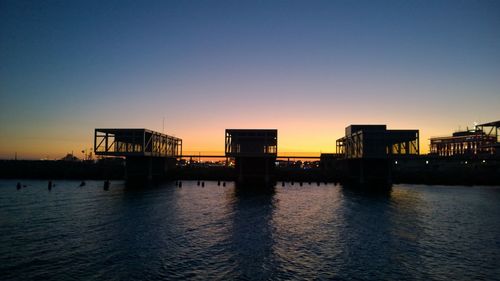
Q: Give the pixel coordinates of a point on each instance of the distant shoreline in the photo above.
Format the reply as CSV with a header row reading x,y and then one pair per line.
x,y
410,171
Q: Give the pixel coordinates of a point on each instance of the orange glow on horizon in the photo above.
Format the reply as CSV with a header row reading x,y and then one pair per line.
x,y
290,143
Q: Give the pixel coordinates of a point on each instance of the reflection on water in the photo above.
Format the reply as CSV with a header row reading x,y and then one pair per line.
x,y
251,234
222,232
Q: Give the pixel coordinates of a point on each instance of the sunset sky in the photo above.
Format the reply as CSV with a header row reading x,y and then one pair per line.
x,y
306,68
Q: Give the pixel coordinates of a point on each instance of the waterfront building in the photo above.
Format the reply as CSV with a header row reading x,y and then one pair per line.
x,y
482,140
254,152
366,152
375,141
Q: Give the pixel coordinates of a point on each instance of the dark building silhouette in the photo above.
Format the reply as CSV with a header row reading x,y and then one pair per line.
x,y
254,152
482,140
375,141
148,154
367,150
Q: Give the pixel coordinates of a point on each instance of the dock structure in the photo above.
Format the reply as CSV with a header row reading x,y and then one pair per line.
x,y
481,141
368,151
254,152
148,154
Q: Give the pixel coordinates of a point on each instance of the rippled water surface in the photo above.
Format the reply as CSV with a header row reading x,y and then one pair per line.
x,y
215,232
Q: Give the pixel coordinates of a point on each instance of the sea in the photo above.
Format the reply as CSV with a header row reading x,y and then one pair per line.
x,y
217,231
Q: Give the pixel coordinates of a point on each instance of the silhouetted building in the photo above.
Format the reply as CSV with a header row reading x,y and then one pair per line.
x,y
482,140
254,151
148,154
135,142
375,141
367,150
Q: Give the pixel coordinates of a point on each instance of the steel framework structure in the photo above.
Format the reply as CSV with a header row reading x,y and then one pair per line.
x,y
251,142
375,141
135,142
482,140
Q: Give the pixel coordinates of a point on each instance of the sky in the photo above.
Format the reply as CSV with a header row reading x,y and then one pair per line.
x,y
194,68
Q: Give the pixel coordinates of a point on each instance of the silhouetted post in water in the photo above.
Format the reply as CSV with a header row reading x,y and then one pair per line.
x,y
282,183
180,184
300,183
198,183
203,184
18,186
82,183
106,185
224,184
49,185
218,182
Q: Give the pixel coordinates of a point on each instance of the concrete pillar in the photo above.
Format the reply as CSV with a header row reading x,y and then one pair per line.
x,y
361,172
266,176
150,169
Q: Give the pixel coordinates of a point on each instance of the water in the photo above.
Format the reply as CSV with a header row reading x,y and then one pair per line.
x,y
215,232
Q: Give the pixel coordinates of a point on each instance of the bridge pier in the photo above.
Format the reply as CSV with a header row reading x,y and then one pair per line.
x,y
366,172
255,170
148,168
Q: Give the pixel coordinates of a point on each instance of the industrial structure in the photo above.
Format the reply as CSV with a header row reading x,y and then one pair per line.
x,y
375,141
367,149
148,154
254,152
368,155
482,140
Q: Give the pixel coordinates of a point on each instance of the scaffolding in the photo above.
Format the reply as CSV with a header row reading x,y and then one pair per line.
x,y
135,142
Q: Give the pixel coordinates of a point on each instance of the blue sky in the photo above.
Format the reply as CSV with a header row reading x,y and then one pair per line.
x,y
308,68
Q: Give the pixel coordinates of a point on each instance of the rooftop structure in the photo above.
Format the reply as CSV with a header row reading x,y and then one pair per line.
x,y
482,140
135,142
376,142
251,142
